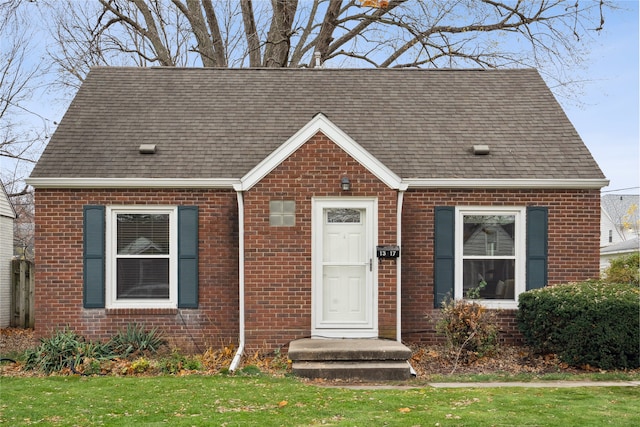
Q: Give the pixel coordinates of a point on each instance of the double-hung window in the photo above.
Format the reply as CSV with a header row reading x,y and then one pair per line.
x,y
141,261
490,255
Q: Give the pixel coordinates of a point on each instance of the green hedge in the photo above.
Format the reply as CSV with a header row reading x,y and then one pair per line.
x,y
589,323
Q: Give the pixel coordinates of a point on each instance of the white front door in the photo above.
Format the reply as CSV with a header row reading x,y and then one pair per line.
x,y
345,298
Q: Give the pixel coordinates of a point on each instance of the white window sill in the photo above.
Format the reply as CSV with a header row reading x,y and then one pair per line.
x,y
141,304
496,304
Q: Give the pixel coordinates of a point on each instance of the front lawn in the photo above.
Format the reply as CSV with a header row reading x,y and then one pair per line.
x,y
196,400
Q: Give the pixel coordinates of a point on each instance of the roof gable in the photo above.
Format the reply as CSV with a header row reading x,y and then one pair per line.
x,y
619,208
320,123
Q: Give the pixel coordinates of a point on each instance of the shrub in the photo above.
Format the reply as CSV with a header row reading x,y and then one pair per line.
x,y
140,365
589,323
66,349
469,328
624,269
135,339
177,362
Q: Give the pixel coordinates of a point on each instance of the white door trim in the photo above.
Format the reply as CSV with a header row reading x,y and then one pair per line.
x,y
368,329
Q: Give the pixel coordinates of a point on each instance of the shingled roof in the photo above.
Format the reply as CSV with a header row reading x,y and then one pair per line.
x,y
220,123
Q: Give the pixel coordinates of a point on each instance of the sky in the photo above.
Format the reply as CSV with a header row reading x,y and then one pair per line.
x,y
608,120
605,111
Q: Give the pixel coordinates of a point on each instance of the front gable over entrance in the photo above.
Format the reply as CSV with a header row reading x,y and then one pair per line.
x,y
320,123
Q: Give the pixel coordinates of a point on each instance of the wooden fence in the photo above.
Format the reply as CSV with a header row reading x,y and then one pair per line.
x,y
22,300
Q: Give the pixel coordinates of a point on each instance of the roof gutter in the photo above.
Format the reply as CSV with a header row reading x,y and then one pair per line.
x,y
238,356
578,184
132,182
240,185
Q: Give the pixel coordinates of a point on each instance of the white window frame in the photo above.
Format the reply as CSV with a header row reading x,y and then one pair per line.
x,y
520,251
111,299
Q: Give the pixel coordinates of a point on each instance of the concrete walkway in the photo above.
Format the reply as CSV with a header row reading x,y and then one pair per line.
x,y
544,384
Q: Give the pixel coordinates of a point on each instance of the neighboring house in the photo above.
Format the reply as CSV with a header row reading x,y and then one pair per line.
x,y
616,250
7,217
619,226
277,204
620,218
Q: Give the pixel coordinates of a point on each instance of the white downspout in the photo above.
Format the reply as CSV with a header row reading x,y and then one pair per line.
x,y
399,273
399,265
236,359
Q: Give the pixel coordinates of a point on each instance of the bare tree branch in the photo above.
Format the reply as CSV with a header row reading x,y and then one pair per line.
x,y
394,33
205,45
301,46
366,20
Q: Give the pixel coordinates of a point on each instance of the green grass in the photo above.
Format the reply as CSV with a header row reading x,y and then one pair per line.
x,y
267,401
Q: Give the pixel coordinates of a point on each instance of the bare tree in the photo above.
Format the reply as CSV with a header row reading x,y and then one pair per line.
x,y
24,225
546,34
19,75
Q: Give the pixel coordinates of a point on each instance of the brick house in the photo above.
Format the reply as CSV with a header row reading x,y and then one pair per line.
x,y
260,206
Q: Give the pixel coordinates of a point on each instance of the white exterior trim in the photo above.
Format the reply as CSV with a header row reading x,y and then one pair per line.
x,y
519,255
320,123
350,330
132,182
584,184
111,301
275,158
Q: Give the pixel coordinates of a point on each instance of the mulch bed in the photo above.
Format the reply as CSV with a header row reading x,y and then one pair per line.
x,y
427,361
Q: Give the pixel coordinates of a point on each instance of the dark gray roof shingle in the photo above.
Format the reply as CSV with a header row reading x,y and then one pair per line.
x,y
220,123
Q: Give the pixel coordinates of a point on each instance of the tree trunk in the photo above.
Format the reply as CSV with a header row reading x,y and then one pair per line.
x,y
325,37
219,53
251,33
276,53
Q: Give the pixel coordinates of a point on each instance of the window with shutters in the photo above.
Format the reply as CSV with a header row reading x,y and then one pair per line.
x,y
490,255
141,257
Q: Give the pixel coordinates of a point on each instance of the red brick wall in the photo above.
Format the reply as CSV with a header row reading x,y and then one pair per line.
x,y
573,246
278,259
59,247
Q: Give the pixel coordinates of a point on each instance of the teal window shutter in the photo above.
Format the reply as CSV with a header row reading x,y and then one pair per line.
x,y
537,230
93,256
188,257
444,254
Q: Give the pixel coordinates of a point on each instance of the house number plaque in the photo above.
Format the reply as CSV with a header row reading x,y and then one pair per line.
x,y
387,251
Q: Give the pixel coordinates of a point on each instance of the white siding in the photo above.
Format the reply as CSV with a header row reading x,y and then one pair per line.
x,y
619,218
6,210
608,226
6,252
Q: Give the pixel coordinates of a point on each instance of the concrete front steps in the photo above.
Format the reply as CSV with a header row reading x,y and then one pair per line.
x,y
350,359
